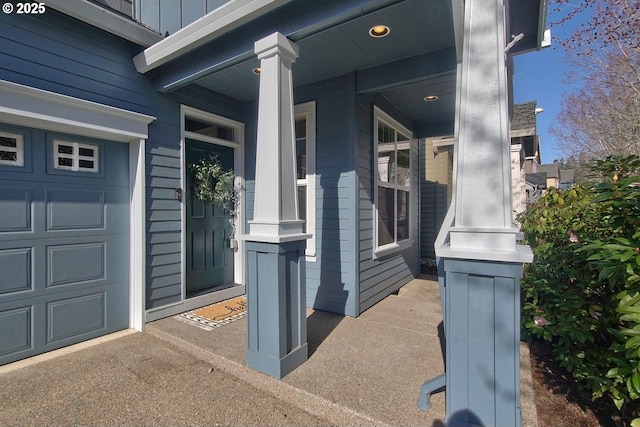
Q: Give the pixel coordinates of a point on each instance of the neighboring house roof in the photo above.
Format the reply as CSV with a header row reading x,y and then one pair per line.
x,y
567,176
524,119
538,179
552,170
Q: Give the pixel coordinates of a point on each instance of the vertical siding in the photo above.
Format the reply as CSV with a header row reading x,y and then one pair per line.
x,y
436,175
59,54
168,16
386,274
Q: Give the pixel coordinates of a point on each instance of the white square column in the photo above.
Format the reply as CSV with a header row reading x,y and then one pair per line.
x,y
276,282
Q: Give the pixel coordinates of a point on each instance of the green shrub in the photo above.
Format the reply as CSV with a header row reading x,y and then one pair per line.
x,y
582,293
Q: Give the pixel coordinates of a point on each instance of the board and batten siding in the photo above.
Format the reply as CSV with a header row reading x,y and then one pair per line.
x,y
331,284
57,53
168,16
436,177
384,274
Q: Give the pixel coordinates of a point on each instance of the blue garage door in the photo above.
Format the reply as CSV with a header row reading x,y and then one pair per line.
x,y
64,240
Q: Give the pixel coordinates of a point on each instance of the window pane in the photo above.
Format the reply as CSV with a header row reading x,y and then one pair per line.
x,y
9,156
302,205
86,164
301,128
87,152
385,215
403,215
404,172
62,161
301,158
401,137
208,129
65,149
301,149
8,142
386,166
386,134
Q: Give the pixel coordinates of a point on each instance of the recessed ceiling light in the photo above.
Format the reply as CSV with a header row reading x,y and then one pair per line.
x,y
430,98
257,70
379,31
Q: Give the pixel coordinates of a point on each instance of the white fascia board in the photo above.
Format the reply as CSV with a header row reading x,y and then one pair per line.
x,y
27,106
216,23
544,35
106,20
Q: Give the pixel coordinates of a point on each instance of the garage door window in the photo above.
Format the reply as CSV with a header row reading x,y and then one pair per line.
x,y
74,156
11,149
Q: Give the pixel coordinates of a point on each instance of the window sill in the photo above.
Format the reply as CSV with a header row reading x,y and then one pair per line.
x,y
392,248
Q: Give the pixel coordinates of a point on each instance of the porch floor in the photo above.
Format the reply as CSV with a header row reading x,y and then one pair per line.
x,y
361,371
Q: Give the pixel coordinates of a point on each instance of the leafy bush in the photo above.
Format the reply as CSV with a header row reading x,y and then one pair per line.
x,y
582,293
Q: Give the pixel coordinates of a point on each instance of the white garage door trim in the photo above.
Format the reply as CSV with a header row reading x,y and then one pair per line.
x,y
26,106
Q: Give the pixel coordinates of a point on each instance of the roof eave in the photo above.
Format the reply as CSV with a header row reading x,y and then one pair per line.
x,y
216,23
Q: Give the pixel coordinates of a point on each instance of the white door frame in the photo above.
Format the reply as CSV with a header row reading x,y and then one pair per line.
x,y
238,155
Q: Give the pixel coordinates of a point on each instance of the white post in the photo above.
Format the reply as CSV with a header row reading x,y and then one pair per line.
x,y
276,198
276,283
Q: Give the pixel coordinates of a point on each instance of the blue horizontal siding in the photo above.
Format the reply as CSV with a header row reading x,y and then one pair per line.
x,y
56,53
380,276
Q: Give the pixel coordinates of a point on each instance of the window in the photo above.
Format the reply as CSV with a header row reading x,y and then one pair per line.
x,y
393,176
305,129
74,156
11,149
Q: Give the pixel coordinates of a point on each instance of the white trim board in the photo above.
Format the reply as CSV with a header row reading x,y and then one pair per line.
x,y
31,107
216,23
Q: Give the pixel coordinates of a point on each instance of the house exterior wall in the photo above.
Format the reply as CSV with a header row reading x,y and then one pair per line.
x,y
168,16
56,53
436,175
383,274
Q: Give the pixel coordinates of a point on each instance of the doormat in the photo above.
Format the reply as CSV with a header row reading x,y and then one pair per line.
x,y
218,314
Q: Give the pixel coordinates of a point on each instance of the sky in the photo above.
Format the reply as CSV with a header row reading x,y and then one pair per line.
x,y
539,76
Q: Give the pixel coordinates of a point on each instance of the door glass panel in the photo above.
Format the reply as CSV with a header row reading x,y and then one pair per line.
x,y
209,129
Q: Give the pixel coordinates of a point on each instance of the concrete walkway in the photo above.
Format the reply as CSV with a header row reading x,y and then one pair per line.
x,y
364,371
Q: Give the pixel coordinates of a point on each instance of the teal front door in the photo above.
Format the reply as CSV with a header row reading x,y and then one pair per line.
x,y
209,255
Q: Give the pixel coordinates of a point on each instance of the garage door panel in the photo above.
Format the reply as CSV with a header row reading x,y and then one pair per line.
x,y
68,264
75,209
17,332
16,268
15,214
71,317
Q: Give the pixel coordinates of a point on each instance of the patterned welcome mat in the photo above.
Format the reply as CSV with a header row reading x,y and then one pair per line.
x,y
218,314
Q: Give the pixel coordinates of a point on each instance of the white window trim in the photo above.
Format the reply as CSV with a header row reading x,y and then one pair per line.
x,y
307,111
19,150
75,156
378,251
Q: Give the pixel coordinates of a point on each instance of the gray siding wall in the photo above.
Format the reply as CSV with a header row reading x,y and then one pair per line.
x,y
383,275
168,16
59,54
331,283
